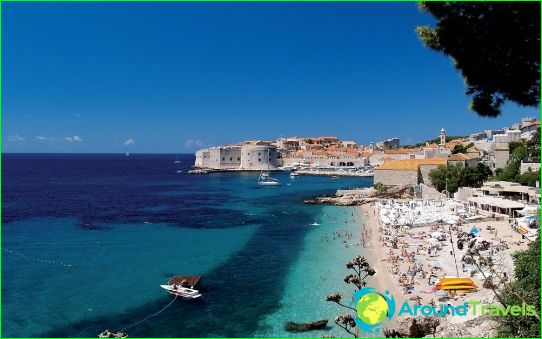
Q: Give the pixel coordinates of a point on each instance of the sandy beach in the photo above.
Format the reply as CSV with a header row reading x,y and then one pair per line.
x,y
383,279
409,266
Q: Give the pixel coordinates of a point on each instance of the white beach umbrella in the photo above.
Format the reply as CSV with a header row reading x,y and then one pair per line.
x,y
401,221
434,263
436,234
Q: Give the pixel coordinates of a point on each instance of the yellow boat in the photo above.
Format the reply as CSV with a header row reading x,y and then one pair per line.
x,y
457,287
455,281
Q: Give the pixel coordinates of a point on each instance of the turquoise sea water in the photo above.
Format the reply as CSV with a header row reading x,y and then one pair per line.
x,y
87,239
318,272
110,273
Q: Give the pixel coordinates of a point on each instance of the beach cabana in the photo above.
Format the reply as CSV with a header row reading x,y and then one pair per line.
x,y
528,210
489,205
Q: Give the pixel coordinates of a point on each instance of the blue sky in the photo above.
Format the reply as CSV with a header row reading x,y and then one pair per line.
x,y
172,77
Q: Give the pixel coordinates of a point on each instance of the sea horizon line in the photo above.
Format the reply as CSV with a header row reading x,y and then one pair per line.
x,y
89,153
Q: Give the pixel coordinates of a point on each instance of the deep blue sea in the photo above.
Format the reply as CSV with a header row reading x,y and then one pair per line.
x,y
88,238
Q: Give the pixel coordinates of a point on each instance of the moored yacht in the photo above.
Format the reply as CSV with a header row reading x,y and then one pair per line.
x,y
180,291
183,286
265,179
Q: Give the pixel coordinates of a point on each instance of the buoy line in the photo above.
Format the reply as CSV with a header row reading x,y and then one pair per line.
x,y
36,259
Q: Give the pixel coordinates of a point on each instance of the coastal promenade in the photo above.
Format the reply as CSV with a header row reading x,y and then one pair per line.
x,y
327,173
335,173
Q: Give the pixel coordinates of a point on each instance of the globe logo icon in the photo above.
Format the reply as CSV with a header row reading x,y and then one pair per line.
x,y
372,309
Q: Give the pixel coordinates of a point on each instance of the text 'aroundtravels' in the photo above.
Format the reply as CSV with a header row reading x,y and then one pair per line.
x,y
477,308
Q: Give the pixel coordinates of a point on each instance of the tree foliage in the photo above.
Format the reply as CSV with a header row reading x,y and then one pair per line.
x,y
520,151
475,176
459,176
525,288
362,270
511,170
446,177
533,147
460,148
528,178
494,45
516,144
380,188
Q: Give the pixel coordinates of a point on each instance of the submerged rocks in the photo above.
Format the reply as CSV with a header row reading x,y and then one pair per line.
x,y
299,327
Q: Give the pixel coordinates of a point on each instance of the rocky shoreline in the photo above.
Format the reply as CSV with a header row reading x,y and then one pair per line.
x,y
361,196
443,327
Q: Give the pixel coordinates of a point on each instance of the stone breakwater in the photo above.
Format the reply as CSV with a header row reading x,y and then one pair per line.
x,y
361,196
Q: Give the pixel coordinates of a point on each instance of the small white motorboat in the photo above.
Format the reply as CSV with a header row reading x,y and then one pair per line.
x,y
109,334
294,174
266,180
180,291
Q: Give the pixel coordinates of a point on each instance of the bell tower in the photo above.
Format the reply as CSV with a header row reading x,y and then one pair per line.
x,y
442,136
